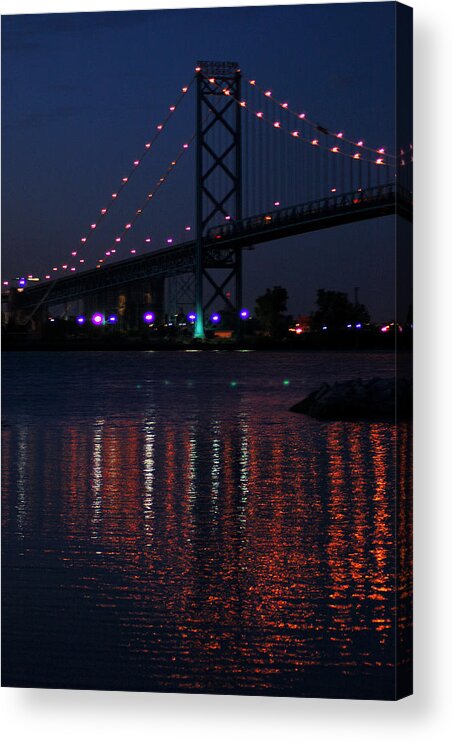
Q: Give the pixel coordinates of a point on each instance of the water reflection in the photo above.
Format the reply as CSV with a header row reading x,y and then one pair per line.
x,y
233,553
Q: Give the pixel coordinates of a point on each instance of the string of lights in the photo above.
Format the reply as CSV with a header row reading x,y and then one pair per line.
x,y
339,134
102,214
315,142
138,213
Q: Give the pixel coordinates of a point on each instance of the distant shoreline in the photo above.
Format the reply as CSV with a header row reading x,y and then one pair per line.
x,y
322,344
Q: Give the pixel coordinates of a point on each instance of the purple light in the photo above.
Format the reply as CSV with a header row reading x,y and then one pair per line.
x,y
148,317
215,318
358,325
244,314
97,318
112,319
192,317
22,282
80,320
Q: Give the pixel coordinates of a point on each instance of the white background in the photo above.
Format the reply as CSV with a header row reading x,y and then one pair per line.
x,y
84,716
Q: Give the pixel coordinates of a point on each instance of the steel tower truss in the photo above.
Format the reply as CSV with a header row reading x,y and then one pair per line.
x,y
218,186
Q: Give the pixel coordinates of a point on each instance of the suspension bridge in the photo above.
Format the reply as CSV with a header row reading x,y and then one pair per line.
x,y
264,170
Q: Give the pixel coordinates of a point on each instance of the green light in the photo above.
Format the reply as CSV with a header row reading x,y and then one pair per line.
x,y
233,384
286,382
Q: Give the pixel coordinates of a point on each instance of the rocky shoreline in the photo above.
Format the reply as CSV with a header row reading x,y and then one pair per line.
x,y
375,399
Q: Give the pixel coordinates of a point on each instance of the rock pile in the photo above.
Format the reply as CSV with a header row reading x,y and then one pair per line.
x,y
375,399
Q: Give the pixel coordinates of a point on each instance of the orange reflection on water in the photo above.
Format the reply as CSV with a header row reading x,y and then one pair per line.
x,y
225,551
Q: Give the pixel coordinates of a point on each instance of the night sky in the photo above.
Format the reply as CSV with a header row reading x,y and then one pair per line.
x,y
82,93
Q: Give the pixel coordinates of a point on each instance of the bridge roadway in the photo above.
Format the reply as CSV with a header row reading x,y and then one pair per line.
x,y
222,242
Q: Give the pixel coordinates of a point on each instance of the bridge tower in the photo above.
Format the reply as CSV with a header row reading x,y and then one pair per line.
x,y
218,186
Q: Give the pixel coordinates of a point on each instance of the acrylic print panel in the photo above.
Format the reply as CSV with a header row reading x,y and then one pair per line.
x,y
207,332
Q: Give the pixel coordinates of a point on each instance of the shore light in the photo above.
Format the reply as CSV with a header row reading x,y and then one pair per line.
x,y
149,317
80,319
112,319
215,318
244,314
97,318
192,317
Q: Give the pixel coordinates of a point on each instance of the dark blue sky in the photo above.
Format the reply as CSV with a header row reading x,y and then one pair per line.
x,y
82,93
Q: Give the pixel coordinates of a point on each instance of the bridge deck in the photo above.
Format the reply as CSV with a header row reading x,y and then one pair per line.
x,y
221,241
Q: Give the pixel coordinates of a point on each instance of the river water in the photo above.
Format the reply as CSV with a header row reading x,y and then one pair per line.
x,y
169,525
